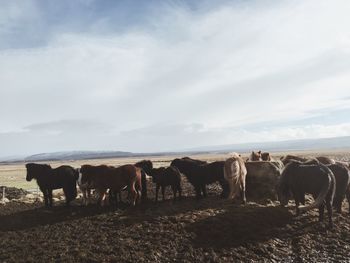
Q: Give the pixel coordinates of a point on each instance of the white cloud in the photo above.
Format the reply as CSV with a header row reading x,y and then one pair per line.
x,y
185,77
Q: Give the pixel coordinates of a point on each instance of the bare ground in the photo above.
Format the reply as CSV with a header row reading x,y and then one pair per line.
x,y
208,230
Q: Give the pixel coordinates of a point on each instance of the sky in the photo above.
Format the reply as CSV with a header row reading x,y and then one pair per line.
x,y
149,76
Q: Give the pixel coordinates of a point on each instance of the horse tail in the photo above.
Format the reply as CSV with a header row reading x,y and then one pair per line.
x,y
141,183
143,187
322,195
135,186
76,174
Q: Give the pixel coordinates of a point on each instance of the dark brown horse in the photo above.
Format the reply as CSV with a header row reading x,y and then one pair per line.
x,y
316,179
322,159
342,179
200,174
164,177
265,156
103,177
49,179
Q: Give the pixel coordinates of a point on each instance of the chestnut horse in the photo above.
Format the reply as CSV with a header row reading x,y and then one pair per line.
x,y
103,177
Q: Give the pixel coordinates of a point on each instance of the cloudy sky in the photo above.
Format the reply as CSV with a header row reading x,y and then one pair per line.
x,y
170,75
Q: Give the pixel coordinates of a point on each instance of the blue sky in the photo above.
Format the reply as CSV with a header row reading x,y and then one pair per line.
x,y
169,75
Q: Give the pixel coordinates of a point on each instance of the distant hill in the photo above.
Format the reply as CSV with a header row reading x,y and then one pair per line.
x,y
76,155
291,145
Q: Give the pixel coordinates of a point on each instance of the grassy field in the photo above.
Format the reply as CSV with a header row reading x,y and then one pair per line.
x,y
13,175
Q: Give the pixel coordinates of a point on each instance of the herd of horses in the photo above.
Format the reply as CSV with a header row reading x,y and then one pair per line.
x,y
327,180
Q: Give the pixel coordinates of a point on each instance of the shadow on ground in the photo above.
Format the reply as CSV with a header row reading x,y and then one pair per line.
x,y
239,226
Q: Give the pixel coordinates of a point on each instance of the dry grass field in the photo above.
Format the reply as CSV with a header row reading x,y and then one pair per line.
x,y
190,230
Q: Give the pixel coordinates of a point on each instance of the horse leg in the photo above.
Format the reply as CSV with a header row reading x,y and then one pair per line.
x,y
225,188
302,198
197,188
157,190
116,199
70,192
84,201
244,199
120,196
46,198
163,192
348,198
297,203
173,188
49,194
144,186
204,190
87,196
133,194
230,188
330,213
321,212
102,196
180,191
338,204
66,194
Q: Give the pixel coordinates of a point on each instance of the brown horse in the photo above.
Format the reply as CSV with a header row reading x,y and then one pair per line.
x,y
265,156
255,156
103,177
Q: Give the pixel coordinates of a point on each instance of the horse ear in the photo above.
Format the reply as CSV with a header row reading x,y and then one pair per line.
x,y
259,152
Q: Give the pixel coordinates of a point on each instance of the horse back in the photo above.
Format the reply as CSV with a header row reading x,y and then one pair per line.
x,y
310,178
125,175
60,177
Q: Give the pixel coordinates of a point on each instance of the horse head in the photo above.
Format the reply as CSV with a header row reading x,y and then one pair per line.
x,y
36,170
255,156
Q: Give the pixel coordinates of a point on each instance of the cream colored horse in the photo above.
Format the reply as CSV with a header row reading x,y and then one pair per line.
x,y
235,173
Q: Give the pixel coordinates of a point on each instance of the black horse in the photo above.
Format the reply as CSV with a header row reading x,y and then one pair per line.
x,y
169,176
297,179
200,174
49,179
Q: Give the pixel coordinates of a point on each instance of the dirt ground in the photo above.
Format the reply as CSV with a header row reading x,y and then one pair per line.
x,y
190,230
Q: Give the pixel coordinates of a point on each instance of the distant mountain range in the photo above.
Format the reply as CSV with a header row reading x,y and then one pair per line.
x,y
291,145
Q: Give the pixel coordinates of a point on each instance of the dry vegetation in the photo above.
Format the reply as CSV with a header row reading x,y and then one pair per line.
x,y
210,230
